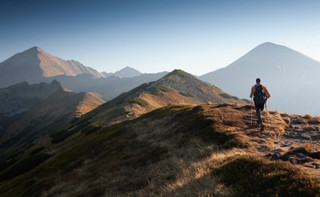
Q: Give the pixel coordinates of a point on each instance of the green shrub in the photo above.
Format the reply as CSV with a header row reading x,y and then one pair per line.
x,y
162,88
140,102
186,94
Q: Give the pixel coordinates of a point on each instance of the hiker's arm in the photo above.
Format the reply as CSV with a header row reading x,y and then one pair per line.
x,y
266,91
252,91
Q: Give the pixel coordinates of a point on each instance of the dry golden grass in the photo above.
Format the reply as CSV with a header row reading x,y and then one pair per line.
x,y
172,151
307,116
88,103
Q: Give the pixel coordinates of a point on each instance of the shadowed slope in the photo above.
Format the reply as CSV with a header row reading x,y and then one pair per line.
x,y
176,150
45,108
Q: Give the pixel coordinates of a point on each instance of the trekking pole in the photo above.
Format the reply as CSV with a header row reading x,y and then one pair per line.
x,y
251,111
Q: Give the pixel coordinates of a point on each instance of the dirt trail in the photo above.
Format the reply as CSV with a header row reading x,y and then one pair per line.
x,y
283,134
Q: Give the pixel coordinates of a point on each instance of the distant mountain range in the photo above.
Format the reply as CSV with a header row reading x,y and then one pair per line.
x,y
291,77
35,65
109,87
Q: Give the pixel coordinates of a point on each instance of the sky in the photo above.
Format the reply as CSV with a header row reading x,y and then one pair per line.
x,y
198,36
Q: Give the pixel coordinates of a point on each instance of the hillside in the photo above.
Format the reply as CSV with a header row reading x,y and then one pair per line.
x,y
34,65
47,107
177,87
22,96
202,150
290,76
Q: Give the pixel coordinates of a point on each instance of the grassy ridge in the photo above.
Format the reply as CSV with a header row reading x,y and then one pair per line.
x,y
170,151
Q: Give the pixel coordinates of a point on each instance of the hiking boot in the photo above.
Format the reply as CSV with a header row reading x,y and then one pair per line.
x,y
261,127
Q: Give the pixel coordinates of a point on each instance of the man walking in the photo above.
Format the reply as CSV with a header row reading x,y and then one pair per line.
x,y
261,94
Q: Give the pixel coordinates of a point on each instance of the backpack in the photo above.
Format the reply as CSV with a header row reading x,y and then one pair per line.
x,y
259,95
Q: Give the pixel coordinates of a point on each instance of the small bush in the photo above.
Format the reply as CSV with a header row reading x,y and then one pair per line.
x,y
307,116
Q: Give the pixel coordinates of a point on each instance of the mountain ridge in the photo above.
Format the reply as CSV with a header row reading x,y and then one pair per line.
x,y
177,87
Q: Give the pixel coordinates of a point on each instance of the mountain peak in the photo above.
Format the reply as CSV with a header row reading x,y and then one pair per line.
x,y
179,72
34,49
269,48
179,75
127,72
268,43
55,84
34,63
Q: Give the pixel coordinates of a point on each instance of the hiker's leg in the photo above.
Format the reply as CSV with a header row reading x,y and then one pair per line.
x,y
261,124
258,112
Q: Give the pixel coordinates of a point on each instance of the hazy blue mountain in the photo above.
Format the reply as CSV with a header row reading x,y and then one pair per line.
x,y
291,77
105,74
127,72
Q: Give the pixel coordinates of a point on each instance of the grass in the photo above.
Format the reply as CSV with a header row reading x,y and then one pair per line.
x,y
140,102
60,136
128,149
225,95
228,96
162,88
37,150
23,166
186,94
171,151
250,176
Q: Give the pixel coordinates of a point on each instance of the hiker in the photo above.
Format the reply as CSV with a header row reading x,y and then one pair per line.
x,y
261,94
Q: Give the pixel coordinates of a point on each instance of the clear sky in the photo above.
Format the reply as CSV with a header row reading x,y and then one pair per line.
x,y
197,36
